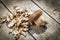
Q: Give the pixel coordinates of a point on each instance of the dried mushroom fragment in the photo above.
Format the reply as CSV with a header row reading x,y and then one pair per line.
x,y
18,21
24,33
11,23
2,19
25,29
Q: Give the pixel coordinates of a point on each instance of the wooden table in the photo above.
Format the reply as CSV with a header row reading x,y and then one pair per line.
x,y
53,18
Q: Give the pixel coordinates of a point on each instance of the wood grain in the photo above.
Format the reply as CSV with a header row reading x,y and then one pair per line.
x,y
52,26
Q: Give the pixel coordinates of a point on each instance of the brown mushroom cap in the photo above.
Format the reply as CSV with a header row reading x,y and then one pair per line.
x,y
35,15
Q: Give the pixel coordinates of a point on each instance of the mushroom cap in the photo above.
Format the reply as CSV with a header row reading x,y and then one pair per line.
x,y
35,15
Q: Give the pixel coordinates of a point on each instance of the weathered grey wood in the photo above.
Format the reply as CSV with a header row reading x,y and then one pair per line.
x,y
52,26
52,7
4,30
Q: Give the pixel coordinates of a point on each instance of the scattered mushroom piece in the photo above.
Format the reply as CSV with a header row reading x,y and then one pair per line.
x,y
18,21
25,29
11,23
24,33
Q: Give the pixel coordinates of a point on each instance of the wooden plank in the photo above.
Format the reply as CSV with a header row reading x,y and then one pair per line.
x,y
3,30
52,26
51,7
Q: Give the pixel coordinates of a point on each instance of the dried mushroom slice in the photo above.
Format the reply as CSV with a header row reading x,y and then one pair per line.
x,y
23,33
2,19
18,21
11,23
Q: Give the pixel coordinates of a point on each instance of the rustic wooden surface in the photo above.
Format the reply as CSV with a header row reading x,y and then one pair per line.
x,y
51,7
53,28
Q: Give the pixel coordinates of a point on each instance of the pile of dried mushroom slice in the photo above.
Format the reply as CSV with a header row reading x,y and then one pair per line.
x,y
21,19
